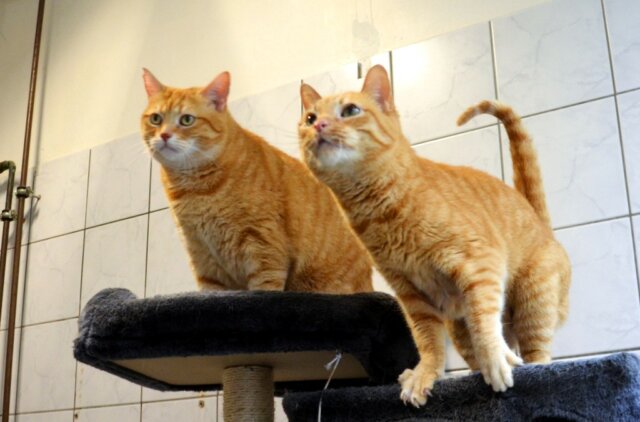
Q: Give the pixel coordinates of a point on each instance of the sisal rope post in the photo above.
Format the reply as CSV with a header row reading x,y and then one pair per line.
x,y
248,394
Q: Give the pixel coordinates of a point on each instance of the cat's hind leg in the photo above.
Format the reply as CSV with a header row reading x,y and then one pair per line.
x,y
537,302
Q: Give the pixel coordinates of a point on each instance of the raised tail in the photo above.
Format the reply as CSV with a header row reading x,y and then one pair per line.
x,y
526,172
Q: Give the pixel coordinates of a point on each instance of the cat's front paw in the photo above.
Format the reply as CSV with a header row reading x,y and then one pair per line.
x,y
415,386
497,368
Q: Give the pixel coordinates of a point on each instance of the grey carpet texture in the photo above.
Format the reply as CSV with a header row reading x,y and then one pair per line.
x,y
596,390
116,325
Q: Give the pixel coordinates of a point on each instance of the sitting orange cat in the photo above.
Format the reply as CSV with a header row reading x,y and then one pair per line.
x,y
251,216
461,249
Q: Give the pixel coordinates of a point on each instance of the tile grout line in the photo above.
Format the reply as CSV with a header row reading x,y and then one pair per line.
x,y
620,140
93,227
525,116
588,223
37,324
84,243
146,255
452,135
494,66
127,404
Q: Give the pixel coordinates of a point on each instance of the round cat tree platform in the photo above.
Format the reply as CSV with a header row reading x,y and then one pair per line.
x,y
253,345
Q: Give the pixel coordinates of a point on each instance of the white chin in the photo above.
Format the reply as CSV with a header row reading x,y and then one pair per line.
x,y
337,157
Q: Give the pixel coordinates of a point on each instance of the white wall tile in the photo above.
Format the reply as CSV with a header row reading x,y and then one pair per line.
x,y
63,186
47,367
168,269
64,416
274,115
7,287
454,361
118,180
622,21
109,414
636,234
53,279
279,415
629,110
198,410
344,78
479,149
552,55
380,284
581,162
604,311
158,198
98,388
436,80
114,256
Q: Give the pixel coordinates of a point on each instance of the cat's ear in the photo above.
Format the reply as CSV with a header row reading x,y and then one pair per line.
x,y
218,90
309,96
151,84
377,85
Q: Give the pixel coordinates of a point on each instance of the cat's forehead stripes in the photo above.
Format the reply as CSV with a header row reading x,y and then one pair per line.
x,y
176,100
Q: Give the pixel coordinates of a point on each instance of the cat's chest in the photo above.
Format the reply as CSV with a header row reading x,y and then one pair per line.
x,y
204,220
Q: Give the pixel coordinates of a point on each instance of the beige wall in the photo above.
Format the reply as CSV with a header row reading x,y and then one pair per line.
x,y
90,88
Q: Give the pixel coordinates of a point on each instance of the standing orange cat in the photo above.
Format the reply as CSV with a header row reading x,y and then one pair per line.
x,y
251,216
462,250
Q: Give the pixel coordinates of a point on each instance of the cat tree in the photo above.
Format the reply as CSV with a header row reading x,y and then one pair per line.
x,y
251,344
257,344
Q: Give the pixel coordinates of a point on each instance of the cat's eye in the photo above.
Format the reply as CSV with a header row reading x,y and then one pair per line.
x,y
311,118
155,119
350,110
187,119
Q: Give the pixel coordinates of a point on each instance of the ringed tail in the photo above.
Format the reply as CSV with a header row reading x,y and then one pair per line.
x,y
526,172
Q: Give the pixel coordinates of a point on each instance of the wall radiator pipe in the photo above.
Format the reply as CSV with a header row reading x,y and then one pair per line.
x,y
7,216
22,193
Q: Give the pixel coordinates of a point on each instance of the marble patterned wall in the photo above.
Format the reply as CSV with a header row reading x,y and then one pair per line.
x,y
570,67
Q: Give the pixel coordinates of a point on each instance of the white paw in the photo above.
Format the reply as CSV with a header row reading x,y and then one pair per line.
x,y
416,386
497,370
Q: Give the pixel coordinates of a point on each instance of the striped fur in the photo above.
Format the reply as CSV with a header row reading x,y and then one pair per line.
x,y
251,216
464,252
526,172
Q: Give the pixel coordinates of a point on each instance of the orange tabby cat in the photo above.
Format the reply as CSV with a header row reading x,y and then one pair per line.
x,y
462,250
251,216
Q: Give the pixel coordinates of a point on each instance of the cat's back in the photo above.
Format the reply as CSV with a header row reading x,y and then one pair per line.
x,y
478,202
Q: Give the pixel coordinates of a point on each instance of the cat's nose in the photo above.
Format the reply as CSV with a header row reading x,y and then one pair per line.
x,y
321,125
165,136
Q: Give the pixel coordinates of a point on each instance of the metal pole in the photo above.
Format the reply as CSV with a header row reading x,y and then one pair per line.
x,y
22,193
7,217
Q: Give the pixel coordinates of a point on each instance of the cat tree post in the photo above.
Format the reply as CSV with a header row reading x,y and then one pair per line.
x,y
248,394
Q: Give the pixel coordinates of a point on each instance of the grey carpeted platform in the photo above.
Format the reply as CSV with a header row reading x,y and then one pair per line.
x,y
182,342
596,390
